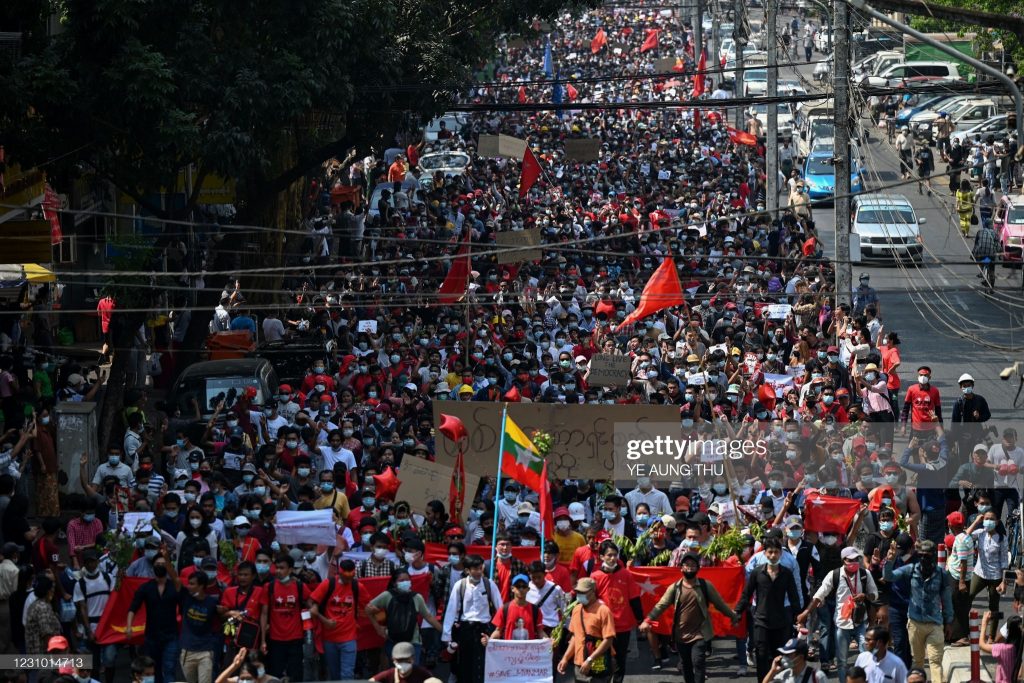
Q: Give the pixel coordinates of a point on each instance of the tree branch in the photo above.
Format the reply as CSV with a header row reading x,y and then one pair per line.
x,y
961,14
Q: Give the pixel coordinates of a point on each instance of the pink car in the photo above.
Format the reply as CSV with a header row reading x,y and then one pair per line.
x,y
1009,224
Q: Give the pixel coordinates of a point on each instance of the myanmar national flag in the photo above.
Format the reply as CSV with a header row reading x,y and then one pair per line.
x,y
520,459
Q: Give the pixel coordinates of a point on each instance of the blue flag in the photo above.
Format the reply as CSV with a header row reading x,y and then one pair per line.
x,y
556,97
548,68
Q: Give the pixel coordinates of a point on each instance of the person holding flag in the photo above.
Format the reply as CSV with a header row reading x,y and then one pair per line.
x,y
689,599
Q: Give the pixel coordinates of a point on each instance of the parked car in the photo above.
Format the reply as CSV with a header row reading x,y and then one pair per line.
x,y
201,386
755,82
785,118
899,74
995,126
887,227
924,103
871,65
1008,222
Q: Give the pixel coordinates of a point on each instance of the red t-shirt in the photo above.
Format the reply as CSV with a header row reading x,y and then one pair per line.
x,y
503,577
285,602
583,555
616,590
340,608
45,555
515,614
234,599
560,576
923,401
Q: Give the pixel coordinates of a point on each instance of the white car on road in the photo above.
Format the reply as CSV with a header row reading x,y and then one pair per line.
x,y
887,227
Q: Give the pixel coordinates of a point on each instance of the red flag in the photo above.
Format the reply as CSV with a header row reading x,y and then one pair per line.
x,y
599,41
571,92
51,212
437,553
696,119
454,286
728,581
530,173
546,511
651,41
698,78
513,396
741,137
371,587
521,97
660,292
829,514
457,488
111,628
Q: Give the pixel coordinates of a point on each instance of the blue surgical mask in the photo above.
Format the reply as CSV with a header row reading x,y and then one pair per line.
x,y
885,526
511,496
327,486
262,568
260,490
989,524
88,517
403,586
609,515
984,508
369,502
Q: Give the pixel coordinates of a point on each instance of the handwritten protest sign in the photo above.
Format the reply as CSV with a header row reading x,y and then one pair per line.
x,y
778,383
608,370
424,481
518,661
306,526
584,436
778,311
519,238
137,522
583,150
367,326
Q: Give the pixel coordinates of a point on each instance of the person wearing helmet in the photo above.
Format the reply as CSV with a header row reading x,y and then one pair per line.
x,y
970,412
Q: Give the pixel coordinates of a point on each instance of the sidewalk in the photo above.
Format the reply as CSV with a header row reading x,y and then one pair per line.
x,y
956,666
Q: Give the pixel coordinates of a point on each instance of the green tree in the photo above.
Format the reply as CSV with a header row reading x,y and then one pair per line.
x,y
261,92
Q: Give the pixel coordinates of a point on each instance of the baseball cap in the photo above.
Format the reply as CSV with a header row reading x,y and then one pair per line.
x,y
57,643
850,553
208,563
403,651
794,646
11,548
585,585
561,512
525,507
955,518
691,557
241,520
576,512
520,578
682,503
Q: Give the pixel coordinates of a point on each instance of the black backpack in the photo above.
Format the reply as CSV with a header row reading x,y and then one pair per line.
x,y
402,618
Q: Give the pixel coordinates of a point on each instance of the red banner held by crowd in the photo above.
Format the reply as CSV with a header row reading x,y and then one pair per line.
x,y
728,581
111,629
437,553
829,514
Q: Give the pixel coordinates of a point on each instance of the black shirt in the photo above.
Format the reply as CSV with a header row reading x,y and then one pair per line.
x,y
770,611
161,610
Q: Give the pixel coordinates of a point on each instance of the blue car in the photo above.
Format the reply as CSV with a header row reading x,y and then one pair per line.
x,y
820,175
904,115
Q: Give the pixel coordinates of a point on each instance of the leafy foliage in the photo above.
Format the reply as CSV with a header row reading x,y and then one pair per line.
x,y
144,88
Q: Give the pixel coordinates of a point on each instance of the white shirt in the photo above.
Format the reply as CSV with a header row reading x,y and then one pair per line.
x,y
342,455
843,591
475,605
656,500
273,329
554,603
997,455
890,669
98,591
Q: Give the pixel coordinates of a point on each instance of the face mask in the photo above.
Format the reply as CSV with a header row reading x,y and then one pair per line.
x,y
892,478
195,523
149,679
923,379
260,490
583,598
968,391
150,554
774,562
194,466
454,559
563,525
232,423
989,524
828,399
984,508
609,515
828,539
510,496
291,443
885,526
524,518
380,553
720,489
114,460
303,471
795,533
775,484
189,497
88,517
262,568
786,663
403,667
160,571
409,557
403,586
690,574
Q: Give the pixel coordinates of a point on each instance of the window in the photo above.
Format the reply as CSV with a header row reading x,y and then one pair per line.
x,y
890,215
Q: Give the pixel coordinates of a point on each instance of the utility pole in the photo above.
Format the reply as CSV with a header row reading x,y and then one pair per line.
x,y
713,61
740,37
841,61
698,32
772,132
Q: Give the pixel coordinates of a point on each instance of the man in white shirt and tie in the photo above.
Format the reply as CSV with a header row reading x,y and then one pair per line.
x,y
473,602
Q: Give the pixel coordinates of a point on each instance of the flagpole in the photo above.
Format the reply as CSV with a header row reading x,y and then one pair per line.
x,y
497,489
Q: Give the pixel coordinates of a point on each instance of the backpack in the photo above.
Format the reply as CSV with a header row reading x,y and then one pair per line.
x,y
88,596
462,598
402,618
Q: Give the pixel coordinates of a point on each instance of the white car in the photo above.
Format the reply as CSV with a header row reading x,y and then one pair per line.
x,y
791,86
785,118
453,121
887,227
727,50
755,82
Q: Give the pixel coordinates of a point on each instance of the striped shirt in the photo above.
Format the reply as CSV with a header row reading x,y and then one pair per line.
x,y
961,555
156,485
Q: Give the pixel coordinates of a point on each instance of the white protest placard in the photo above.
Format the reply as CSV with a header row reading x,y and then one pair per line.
x,y
306,526
608,370
664,174
778,382
369,326
137,522
795,371
778,311
518,661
